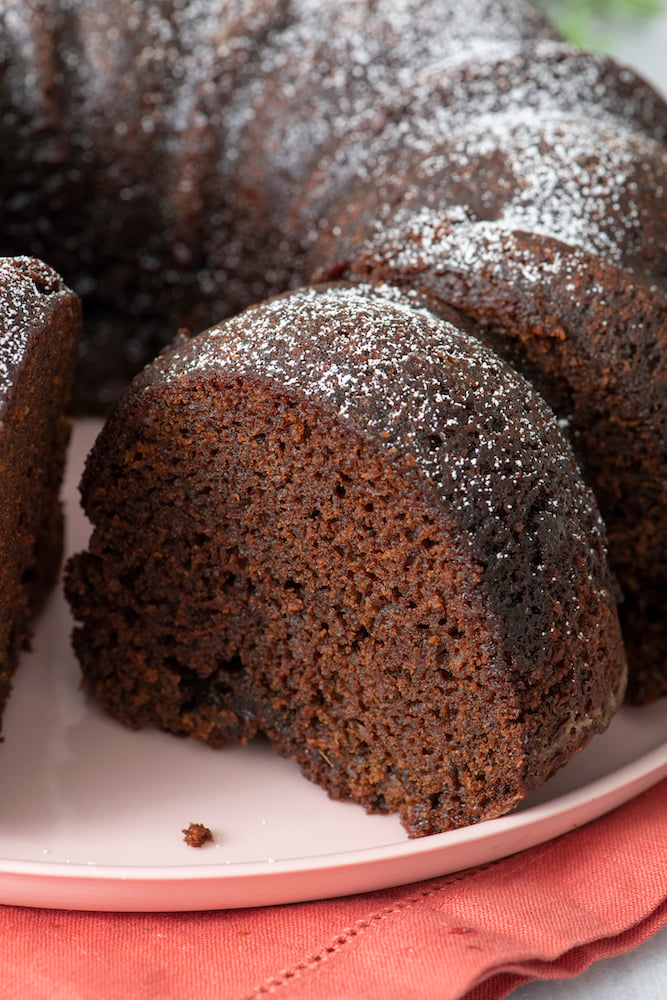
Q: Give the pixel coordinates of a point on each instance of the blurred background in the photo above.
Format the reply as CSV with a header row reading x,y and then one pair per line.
x,y
635,31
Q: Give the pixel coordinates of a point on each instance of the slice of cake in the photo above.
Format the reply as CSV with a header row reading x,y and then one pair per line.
x,y
39,328
343,522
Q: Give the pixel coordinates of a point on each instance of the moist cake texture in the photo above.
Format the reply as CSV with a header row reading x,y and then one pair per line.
x,y
39,327
179,161
345,523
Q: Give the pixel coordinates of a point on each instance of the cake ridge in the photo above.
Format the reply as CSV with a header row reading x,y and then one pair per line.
x,y
458,169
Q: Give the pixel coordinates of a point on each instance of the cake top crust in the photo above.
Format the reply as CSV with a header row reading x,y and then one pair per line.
x,y
431,394
27,288
485,456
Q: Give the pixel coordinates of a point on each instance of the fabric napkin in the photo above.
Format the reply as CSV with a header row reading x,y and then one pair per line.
x,y
545,913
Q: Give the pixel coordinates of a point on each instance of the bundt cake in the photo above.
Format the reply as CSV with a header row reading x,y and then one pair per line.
x,y
564,269
179,161
347,524
39,327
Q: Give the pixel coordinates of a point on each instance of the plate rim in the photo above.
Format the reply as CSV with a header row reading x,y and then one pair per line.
x,y
202,884
267,882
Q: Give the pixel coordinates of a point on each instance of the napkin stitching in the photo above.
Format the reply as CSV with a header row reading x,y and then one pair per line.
x,y
273,983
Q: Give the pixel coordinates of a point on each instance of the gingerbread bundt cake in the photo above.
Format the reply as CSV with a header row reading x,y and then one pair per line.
x,y
39,327
564,269
178,161
345,523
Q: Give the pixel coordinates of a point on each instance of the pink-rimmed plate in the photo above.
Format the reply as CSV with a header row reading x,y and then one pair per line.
x,y
93,814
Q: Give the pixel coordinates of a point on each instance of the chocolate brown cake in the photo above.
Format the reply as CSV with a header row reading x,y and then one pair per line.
x,y
39,327
564,272
179,161
345,523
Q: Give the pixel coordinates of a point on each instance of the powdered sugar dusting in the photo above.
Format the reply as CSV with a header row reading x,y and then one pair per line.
x,y
195,146
417,386
513,88
24,305
564,186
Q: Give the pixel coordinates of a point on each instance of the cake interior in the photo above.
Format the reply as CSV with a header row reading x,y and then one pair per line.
x,y
261,567
34,432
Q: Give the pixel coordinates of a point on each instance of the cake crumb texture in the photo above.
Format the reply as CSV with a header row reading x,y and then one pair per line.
x,y
196,835
344,523
39,328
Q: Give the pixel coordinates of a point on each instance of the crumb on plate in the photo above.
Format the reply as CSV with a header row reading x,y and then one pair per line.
x,y
196,835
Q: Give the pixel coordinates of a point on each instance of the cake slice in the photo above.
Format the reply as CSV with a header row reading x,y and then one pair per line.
x,y
39,328
349,525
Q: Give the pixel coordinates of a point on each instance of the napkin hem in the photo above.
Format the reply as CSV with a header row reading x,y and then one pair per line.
x,y
504,980
288,975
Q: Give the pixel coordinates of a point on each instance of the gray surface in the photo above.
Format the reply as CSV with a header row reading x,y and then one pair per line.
x,y
645,49
640,974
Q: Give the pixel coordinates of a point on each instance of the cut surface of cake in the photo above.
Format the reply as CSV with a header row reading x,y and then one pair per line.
x,y
39,329
343,522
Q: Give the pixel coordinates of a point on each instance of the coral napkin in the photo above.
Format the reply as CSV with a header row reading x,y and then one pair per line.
x,y
546,913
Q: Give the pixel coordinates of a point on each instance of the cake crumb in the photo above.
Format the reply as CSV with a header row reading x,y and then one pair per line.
x,y
196,835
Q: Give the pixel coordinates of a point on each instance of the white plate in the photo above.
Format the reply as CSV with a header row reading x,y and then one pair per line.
x,y
93,813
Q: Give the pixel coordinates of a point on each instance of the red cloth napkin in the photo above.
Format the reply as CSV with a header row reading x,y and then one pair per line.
x,y
546,913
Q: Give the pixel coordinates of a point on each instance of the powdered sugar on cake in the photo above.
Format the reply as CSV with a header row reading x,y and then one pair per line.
x,y
23,306
409,381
